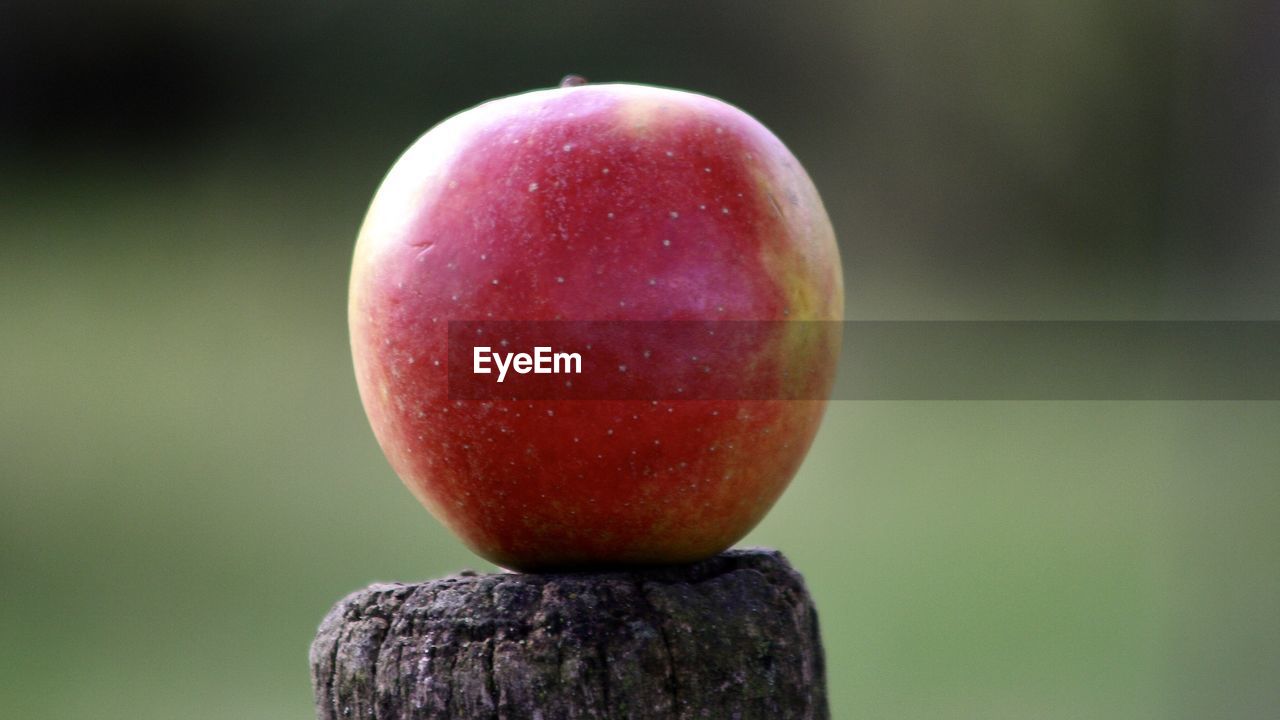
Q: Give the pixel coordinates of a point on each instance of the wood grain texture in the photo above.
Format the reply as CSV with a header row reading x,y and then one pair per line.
x,y
735,636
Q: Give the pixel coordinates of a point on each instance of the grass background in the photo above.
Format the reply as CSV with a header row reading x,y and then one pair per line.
x,y
187,481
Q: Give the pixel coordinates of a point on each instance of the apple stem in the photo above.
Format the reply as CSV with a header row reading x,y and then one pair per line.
x,y
572,81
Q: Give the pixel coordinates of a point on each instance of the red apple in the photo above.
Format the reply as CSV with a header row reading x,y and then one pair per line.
x,y
595,203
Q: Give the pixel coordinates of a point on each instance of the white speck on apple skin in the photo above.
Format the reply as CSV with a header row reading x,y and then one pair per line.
x,y
533,186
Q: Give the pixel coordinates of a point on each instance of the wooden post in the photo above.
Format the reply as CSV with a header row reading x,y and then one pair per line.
x,y
735,636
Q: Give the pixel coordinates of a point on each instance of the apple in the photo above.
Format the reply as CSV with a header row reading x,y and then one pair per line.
x,y
601,203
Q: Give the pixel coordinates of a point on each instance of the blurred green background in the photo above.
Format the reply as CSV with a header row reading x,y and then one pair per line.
x,y
187,481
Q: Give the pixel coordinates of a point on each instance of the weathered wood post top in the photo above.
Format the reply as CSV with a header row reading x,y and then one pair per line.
x,y
734,636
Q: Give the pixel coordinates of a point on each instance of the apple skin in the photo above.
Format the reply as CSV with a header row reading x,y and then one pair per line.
x,y
595,202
